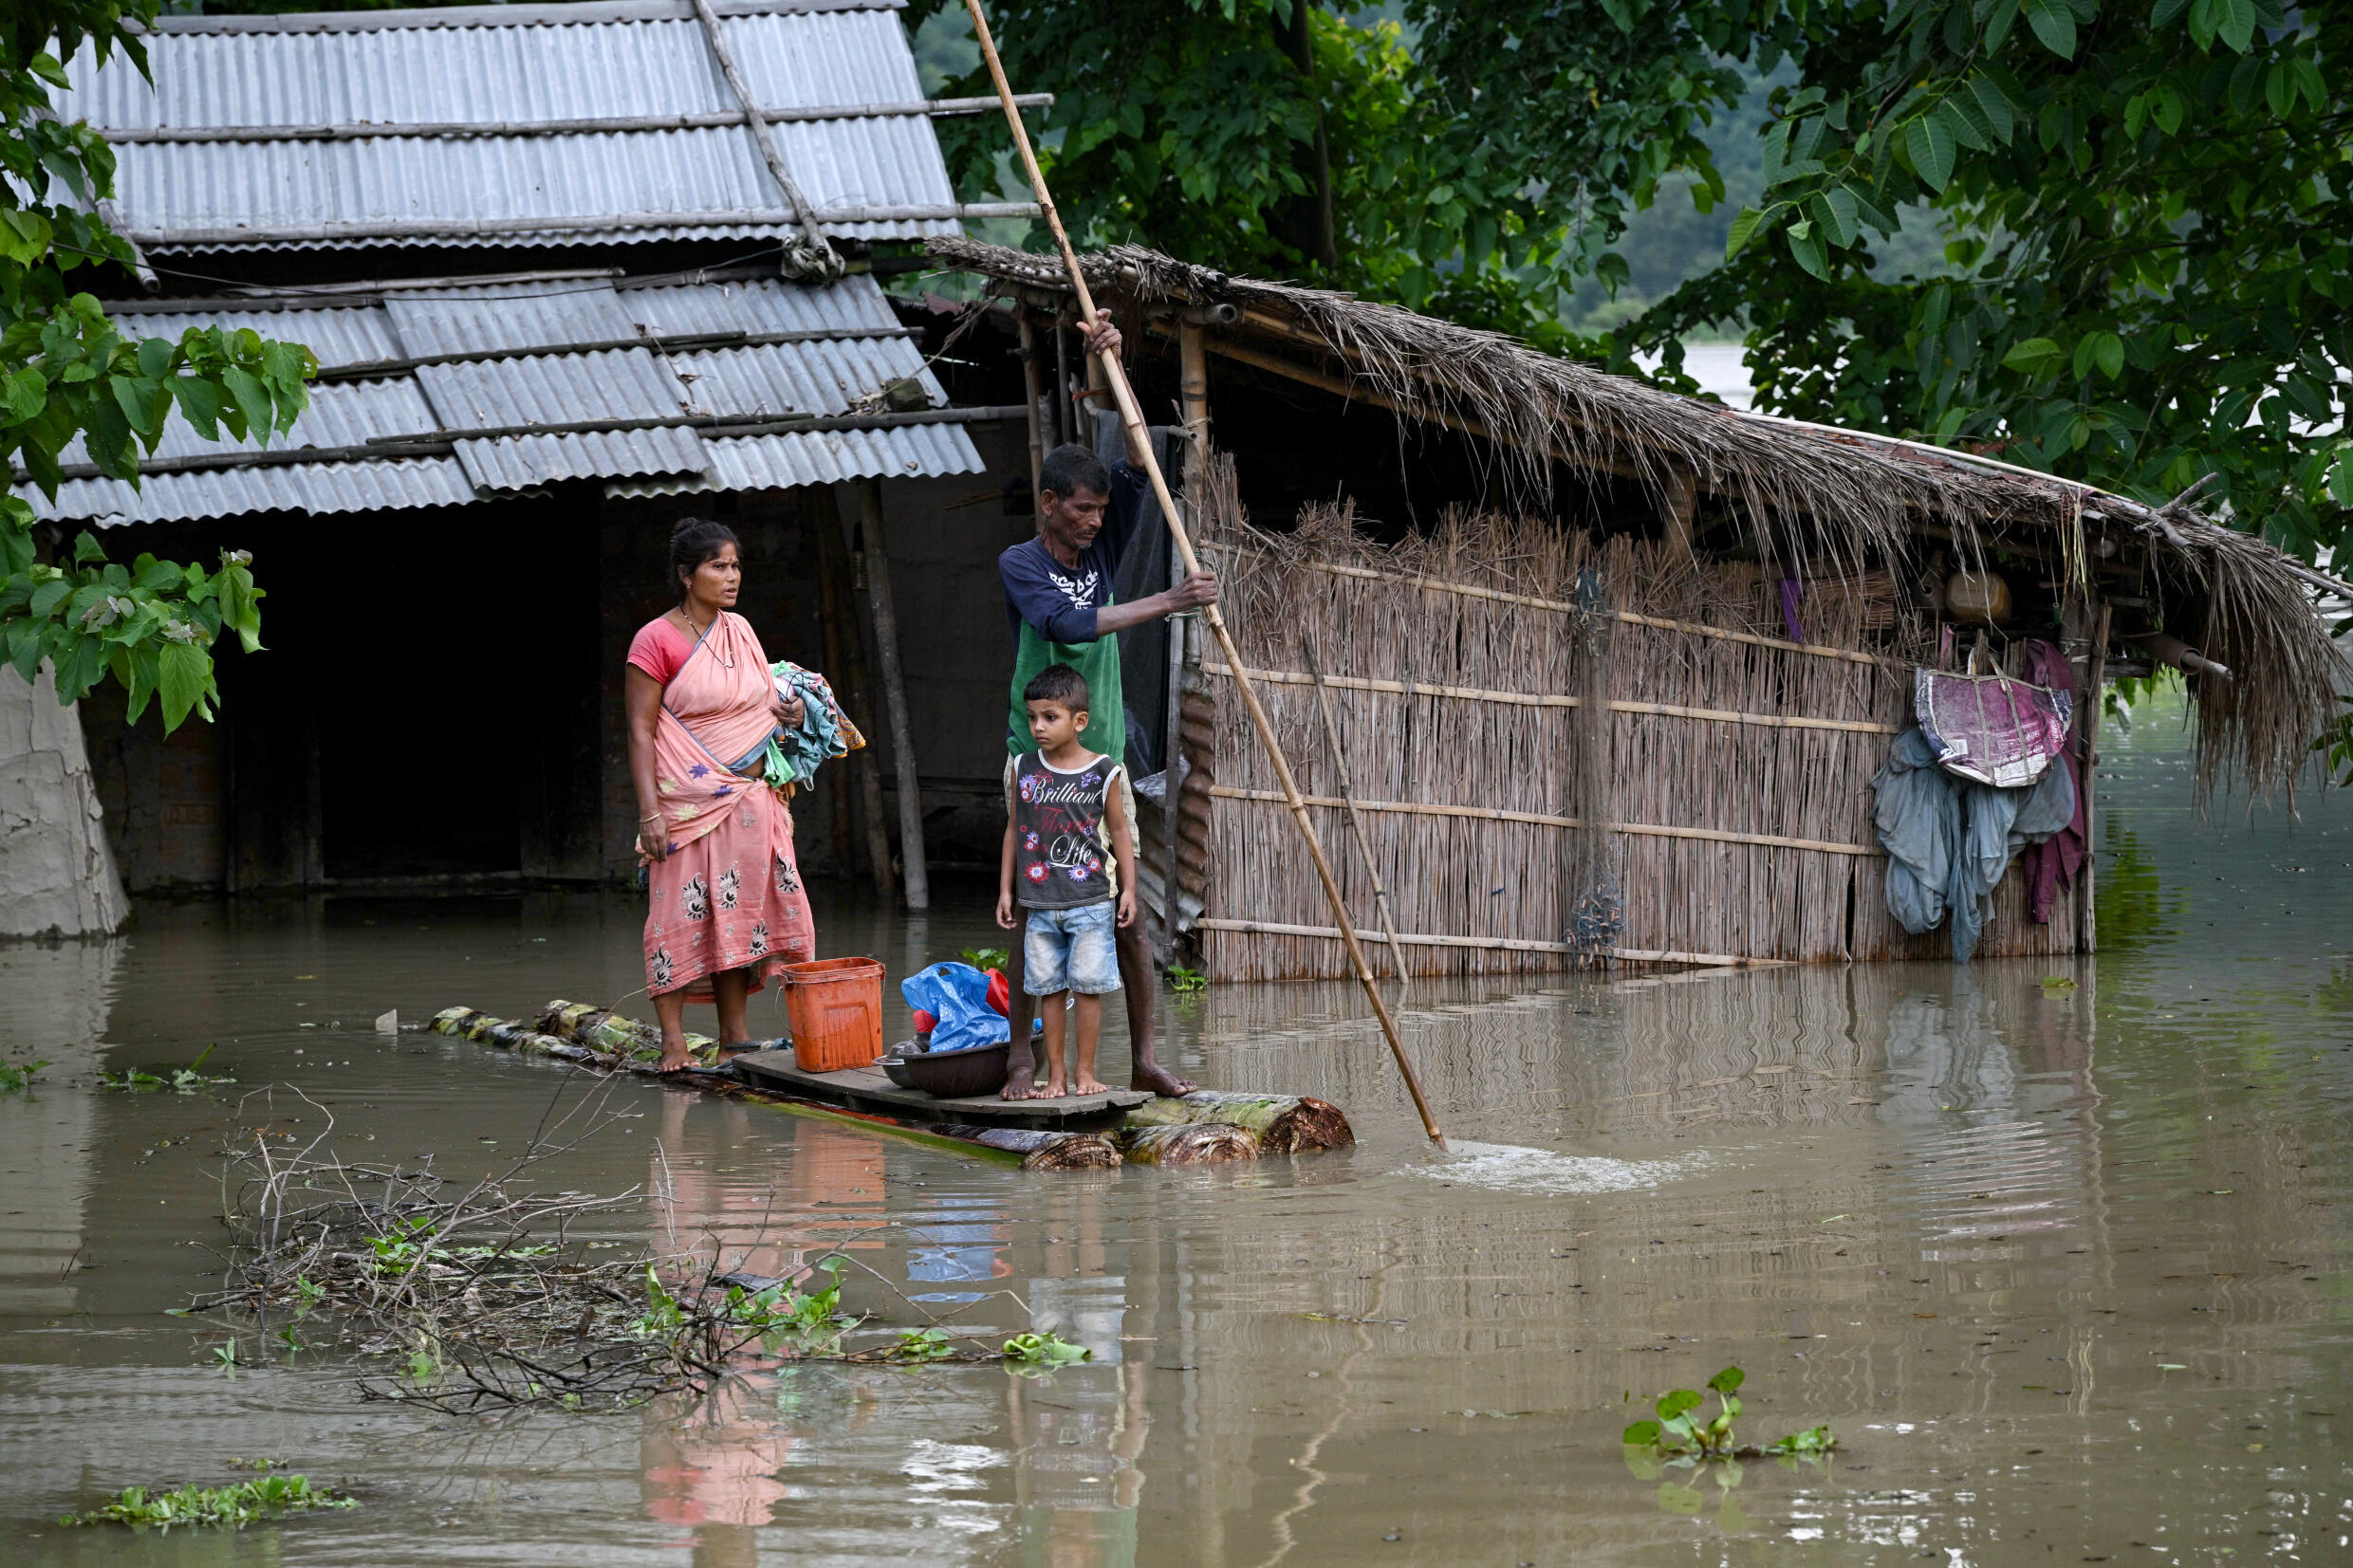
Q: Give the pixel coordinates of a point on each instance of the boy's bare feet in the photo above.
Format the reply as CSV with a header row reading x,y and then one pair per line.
x,y
1088,1084
1054,1089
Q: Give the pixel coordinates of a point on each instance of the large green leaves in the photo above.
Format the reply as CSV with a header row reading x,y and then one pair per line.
x,y
65,375
2147,274
1478,172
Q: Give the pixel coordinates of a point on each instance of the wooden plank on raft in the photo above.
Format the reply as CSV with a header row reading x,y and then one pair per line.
x,y
868,1086
1499,944
1528,699
1498,814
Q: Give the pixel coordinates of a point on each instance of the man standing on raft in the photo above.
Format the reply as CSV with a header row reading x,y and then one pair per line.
x,y
1058,603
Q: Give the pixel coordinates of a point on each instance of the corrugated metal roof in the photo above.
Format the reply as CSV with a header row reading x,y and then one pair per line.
x,y
474,319
822,377
320,489
506,65
764,304
781,462
551,388
345,336
819,376
342,413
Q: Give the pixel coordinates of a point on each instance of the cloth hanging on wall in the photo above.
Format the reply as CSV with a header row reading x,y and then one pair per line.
x,y
1950,839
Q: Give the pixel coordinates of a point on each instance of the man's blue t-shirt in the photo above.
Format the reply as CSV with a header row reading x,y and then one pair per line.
x,y
1050,608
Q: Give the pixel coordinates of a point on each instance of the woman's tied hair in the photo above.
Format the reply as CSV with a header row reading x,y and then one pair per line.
x,y
1057,683
695,541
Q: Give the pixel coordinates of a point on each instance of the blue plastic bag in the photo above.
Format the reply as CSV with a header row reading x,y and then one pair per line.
x,y
957,995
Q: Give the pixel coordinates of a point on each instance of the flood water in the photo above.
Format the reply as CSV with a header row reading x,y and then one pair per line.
x,y
2066,1267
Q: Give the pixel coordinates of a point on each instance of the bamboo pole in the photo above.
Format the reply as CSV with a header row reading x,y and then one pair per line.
x,y
580,222
1133,416
1560,607
1551,699
1538,819
1506,944
885,617
756,127
586,125
1356,817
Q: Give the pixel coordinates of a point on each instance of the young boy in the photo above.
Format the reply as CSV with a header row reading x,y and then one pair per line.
x,y
1063,812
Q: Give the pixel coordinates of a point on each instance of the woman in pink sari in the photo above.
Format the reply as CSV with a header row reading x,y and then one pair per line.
x,y
728,912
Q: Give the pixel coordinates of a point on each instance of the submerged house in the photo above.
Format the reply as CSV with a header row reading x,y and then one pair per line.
x,y
571,272
1569,668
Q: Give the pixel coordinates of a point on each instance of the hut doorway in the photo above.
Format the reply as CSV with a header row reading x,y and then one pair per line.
x,y
406,791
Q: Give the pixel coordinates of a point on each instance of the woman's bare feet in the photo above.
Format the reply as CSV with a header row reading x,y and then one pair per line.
x,y
675,1058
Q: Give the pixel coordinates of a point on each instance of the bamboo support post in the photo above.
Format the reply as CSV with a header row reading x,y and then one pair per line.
x,y
1065,423
829,626
2092,699
833,563
1133,416
1032,381
1356,817
885,617
1192,395
1677,503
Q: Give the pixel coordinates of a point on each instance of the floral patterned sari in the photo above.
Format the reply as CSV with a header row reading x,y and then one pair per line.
x,y
728,896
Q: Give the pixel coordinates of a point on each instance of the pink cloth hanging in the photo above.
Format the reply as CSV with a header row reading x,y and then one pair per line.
x,y
2052,865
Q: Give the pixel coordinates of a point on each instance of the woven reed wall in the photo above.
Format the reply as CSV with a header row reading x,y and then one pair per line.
x,y
1500,882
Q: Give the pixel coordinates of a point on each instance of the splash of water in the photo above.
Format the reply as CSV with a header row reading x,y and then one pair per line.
x,y
1511,1167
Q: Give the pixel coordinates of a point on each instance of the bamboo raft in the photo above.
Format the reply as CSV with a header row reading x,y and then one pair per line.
x,y
1092,1132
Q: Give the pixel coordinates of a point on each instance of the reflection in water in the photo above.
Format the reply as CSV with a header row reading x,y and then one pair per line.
x,y
2058,1247
712,1467
53,1007
2136,908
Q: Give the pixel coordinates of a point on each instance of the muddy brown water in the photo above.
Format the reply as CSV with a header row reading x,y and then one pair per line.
x,y
2065,1266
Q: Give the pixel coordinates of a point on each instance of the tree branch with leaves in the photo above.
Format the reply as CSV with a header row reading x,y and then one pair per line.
x,y
72,388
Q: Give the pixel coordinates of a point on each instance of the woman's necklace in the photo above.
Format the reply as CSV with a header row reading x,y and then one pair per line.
x,y
701,632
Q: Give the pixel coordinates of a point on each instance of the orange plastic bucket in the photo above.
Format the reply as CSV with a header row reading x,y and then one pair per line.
x,y
835,1006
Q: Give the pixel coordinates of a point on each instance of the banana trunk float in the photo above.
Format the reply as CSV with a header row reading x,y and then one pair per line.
x,y
1285,1124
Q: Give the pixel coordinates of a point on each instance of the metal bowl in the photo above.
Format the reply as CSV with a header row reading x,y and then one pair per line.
x,y
894,1063
954,1075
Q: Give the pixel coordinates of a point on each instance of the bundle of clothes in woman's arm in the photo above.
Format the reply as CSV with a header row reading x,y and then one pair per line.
x,y
825,732
1987,773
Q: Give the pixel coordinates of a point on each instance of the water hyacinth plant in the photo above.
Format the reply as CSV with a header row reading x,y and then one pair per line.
x,y
1680,1433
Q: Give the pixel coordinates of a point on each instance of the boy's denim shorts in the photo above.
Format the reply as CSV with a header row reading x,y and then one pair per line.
x,y
1070,949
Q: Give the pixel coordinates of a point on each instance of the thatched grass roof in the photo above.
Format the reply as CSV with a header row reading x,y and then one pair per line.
x,y
1809,495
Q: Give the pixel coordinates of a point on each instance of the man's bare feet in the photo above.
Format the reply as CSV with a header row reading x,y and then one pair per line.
x,y
1021,1074
1055,1089
1160,1080
1088,1084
